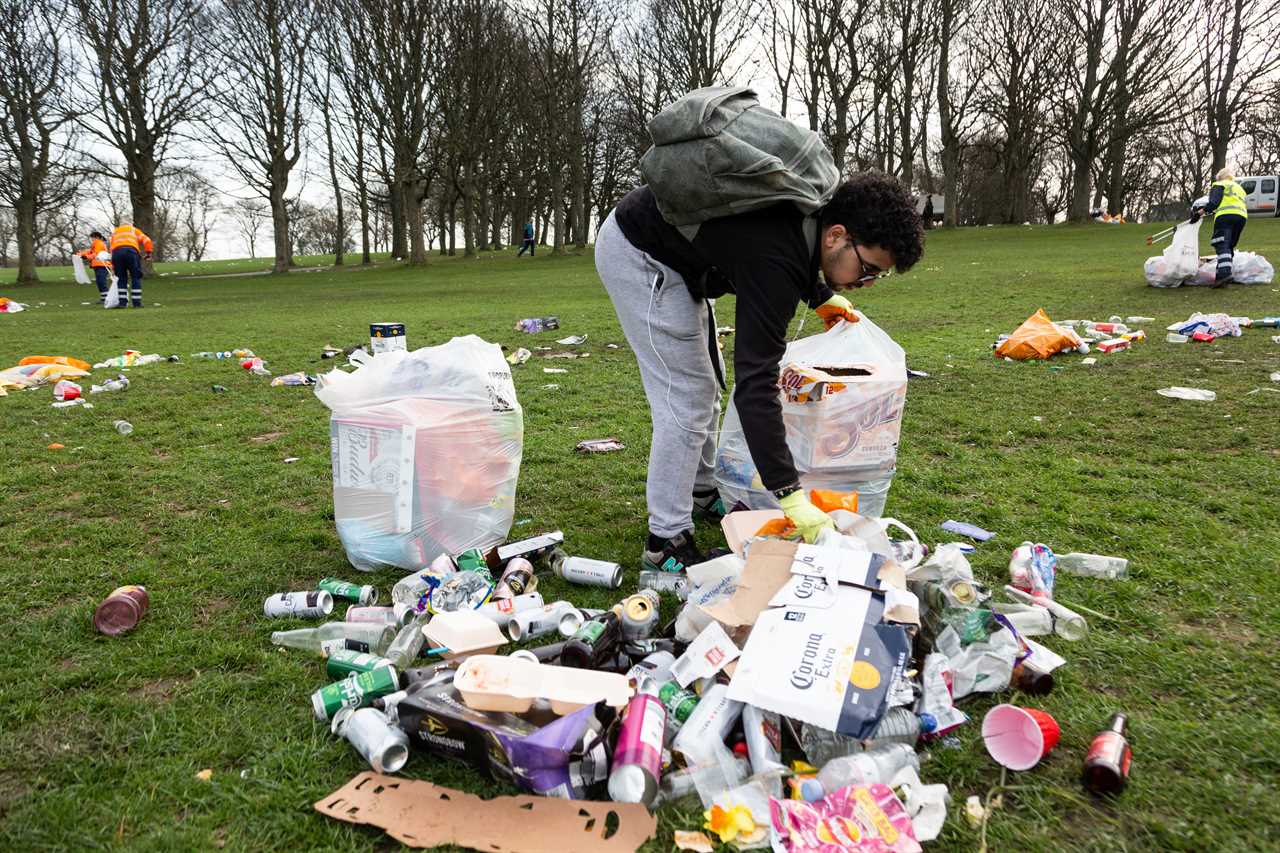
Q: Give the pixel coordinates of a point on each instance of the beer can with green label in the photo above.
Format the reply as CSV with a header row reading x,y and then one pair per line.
x,y
345,662
355,691
364,595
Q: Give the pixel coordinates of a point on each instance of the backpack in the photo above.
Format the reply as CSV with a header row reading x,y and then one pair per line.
x,y
717,152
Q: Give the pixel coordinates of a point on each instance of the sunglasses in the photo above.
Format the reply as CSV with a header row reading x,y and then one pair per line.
x,y
870,272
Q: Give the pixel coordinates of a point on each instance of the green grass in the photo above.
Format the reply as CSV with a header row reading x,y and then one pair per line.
x,y
101,738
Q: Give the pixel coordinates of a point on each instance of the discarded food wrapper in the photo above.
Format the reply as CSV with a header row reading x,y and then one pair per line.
x,y
554,370
698,842
1037,337
293,379
709,653
963,528
855,818
421,815
1178,392
501,683
572,340
520,356
599,445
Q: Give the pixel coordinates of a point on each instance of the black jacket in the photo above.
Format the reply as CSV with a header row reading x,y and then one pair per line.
x,y
765,259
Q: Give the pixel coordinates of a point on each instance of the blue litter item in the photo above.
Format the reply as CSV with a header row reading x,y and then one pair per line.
x,y
964,528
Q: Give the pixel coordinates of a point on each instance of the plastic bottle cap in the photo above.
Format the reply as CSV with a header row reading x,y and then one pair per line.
x,y
928,723
811,790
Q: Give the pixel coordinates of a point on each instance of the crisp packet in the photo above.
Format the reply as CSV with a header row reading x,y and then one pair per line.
x,y
862,818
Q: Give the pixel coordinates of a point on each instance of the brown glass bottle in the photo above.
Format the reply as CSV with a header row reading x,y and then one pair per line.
x,y
1106,767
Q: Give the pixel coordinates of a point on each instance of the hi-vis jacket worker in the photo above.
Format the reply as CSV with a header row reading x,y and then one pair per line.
x,y
127,247
101,268
1226,201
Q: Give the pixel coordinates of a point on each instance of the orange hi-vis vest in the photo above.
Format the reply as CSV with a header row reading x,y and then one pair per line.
x,y
91,254
127,235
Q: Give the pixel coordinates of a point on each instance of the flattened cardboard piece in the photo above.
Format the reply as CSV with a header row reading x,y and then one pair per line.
x,y
740,526
810,591
832,668
419,814
768,569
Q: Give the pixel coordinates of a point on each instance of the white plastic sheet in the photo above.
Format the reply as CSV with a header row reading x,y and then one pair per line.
x,y
426,449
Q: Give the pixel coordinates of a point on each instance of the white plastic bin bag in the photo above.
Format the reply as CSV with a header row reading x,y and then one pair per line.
x,y
842,395
1180,259
426,450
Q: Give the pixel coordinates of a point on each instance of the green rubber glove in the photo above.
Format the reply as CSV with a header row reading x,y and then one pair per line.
x,y
808,519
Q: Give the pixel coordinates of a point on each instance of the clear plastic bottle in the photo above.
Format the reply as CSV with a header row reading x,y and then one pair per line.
x,y
364,636
875,766
1094,565
120,383
404,649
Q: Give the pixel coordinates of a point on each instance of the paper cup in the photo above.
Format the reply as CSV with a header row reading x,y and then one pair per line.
x,y
1018,738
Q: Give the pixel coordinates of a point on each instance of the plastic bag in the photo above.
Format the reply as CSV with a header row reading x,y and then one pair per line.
x,y
1246,268
1037,337
842,397
426,449
1180,259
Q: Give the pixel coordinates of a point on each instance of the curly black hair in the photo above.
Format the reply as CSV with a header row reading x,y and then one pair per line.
x,y
878,211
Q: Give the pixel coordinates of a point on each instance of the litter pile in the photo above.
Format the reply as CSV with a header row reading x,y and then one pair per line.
x,y
1205,328
10,306
788,694
1040,338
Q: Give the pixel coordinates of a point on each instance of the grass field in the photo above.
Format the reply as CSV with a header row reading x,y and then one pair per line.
x,y
101,738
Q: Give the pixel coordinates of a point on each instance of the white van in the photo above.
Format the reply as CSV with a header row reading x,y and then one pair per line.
x,y
1260,194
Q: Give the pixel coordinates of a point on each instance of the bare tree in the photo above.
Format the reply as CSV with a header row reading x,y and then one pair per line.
x,y
1239,49
321,96
957,83
259,115
34,79
198,206
151,74
249,215
1024,63
393,42
702,41
8,229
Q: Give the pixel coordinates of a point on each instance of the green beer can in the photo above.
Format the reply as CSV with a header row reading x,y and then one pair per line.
x,y
345,662
355,691
364,595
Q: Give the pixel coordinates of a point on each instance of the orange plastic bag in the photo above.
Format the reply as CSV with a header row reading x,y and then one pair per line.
x,y
55,359
829,499
1037,337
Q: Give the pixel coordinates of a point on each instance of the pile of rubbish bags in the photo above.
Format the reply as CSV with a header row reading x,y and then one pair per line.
x,y
787,688
1180,263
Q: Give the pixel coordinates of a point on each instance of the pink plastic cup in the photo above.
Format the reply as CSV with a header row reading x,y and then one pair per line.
x,y
1018,738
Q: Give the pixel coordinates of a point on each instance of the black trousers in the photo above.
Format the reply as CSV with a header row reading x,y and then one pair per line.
x,y
1226,234
127,263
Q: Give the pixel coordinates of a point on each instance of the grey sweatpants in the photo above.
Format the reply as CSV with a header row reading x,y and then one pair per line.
x,y
668,331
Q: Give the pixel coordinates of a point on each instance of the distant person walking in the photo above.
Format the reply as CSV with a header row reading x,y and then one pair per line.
x,y
101,268
1226,202
528,240
128,244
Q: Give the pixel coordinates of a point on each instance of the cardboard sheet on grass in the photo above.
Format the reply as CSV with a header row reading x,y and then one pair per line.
x,y
1037,337
419,814
825,655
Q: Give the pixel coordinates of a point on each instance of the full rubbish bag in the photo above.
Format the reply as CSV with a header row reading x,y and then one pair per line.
x,y
1246,268
842,395
426,449
1037,337
1180,258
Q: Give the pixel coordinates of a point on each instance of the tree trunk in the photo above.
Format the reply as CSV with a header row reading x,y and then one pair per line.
x,y
142,195
280,231
25,220
399,228
363,196
412,191
557,211
442,220
1079,207
469,236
